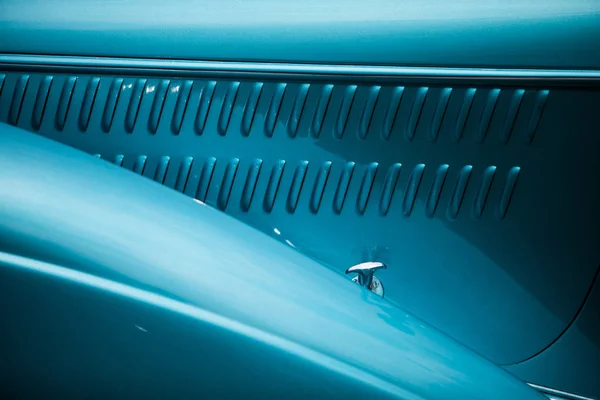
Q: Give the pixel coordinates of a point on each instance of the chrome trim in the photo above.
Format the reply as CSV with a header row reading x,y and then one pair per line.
x,y
112,63
366,276
556,394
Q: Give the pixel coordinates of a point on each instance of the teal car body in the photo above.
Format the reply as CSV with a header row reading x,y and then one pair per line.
x,y
457,143
118,286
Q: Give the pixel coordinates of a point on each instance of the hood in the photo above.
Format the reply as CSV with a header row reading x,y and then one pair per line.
x,y
78,221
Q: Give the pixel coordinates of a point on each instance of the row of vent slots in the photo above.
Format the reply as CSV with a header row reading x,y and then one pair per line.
x,y
206,94
322,178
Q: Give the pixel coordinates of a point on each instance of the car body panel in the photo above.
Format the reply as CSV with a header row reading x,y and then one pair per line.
x,y
579,346
456,142
466,206
496,34
119,242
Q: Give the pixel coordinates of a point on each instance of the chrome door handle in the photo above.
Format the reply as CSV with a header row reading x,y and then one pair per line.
x,y
365,276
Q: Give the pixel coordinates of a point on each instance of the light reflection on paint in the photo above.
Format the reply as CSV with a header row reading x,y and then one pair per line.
x,y
200,314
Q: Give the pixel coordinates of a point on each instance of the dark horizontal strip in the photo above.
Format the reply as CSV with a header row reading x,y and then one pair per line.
x,y
558,76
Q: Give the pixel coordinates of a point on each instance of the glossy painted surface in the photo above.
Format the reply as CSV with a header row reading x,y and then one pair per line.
x,y
470,75
136,272
481,33
455,188
573,362
383,120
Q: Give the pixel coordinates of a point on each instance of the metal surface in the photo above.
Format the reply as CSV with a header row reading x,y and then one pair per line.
x,y
498,34
456,188
120,280
461,137
365,276
554,394
572,363
563,77
376,286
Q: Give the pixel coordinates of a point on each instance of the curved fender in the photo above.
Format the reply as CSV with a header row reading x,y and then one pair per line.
x,y
117,284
